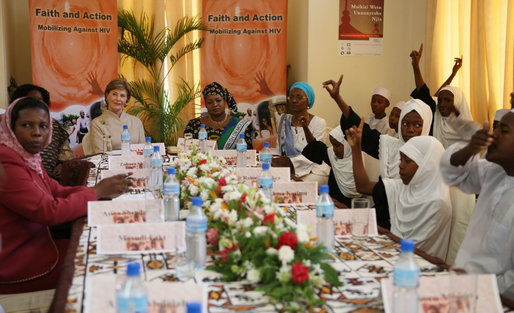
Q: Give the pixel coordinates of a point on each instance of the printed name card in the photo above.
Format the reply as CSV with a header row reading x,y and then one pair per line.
x,y
185,144
346,221
101,295
295,192
251,174
123,212
139,176
452,293
141,238
230,156
137,149
127,162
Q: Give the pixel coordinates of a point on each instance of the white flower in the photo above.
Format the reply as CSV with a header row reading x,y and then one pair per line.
x,y
284,274
232,218
271,251
285,254
268,209
205,195
253,276
247,222
233,195
193,190
191,172
301,233
260,230
248,234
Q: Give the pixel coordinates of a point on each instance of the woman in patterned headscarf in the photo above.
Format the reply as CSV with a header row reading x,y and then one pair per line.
x,y
220,126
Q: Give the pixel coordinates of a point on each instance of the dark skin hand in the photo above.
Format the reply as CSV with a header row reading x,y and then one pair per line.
x,y
333,90
362,182
305,125
114,186
482,139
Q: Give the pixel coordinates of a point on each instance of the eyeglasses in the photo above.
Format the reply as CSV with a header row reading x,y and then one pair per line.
x,y
297,98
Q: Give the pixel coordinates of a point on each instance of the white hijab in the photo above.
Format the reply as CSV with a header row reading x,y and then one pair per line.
x,y
388,152
421,210
443,129
343,168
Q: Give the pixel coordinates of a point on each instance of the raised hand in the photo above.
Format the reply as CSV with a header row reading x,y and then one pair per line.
x,y
354,135
415,55
333,87
95,87
260,79
482,139
457,65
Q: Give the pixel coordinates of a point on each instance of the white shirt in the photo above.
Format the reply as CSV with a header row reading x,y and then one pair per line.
x,y
382,125
488,246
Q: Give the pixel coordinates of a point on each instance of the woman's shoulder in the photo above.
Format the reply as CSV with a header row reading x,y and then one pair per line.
x,y
9,155
318,120
194,121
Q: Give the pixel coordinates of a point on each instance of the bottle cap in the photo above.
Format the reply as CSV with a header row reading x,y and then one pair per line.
x,y
171,171
323,189
265,166
241,135
197,201
266,144
133,269
148,139
125,126
407,245
193,307
202,125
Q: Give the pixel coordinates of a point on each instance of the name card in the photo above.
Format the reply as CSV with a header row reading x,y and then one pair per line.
x,y
251,174
451,293
139,176
137,149
345,220
123,212
141,238
230,156
100,295
295,192
185,144
127,162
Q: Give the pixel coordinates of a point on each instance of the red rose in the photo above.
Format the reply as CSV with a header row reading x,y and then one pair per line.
x,y
224,253
212,236
243,197
204,161
270,218
222,181
299,272
288,239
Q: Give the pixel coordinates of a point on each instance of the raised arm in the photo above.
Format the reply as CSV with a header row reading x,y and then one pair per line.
x,y
482,139
456,68
308,134
415,56
333,89
362,182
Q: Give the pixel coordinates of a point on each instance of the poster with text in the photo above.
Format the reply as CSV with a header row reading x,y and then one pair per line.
x,y
74,56
245,52
361,27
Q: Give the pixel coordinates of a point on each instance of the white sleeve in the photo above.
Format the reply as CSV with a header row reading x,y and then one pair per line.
x,y
465,128
468,178
302,165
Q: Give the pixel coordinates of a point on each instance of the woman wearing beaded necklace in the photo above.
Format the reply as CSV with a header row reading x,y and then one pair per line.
x,y
220,126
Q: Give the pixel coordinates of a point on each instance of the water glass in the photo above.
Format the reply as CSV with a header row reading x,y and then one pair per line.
x,y
360,218
463,293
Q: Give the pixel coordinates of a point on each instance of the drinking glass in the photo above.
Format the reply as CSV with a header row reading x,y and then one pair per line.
x,y
463,291
360,218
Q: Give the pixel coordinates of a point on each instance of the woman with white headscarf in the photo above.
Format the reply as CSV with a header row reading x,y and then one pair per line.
x,y
339,158
418,202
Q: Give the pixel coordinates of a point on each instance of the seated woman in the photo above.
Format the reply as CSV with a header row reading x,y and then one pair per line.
x,y
59,142
419,202
339,158
220,126
110,123
30,258
292,138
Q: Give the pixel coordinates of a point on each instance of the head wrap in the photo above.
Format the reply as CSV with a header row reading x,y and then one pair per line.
x,y
421,210
343,168
399,105
216,89
423,110
8,139
309,92
500,113
381,91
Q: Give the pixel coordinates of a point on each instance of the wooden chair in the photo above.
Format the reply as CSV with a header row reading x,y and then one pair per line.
x,y
75,172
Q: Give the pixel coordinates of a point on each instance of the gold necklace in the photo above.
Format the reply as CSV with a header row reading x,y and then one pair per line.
x,y
217,124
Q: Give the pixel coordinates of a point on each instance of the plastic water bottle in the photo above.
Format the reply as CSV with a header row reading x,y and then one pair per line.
x,y
266,181
196,228
125,141
202,137
132,296
405,280
265,154
194,307
147,152
156,174
241,151
171,196
325,218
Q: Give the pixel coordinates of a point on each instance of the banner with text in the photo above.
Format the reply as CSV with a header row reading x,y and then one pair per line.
x,y
74,56
245,51
361,27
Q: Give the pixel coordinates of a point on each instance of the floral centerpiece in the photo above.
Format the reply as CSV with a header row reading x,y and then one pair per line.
x,y
252,237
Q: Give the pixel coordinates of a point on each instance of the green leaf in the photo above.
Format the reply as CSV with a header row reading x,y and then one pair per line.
x,y
330,274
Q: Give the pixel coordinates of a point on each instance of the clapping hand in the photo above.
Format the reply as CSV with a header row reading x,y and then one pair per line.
x,y
333,87
354,135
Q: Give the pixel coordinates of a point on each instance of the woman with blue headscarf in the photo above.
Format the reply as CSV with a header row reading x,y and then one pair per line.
x,y
292,139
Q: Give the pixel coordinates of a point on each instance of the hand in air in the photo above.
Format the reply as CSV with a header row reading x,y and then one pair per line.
x,y
415,55
354,135
457,65
264,89
333,87
482,139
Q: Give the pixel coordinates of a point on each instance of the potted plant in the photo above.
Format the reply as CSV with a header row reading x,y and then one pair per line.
x,y
140,41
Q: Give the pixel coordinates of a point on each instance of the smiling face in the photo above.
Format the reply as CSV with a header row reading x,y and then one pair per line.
x,y
378,105
445,103
412,125
298,101
215,105
32,128
116,100
407,168
394,117
501,151
338,147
